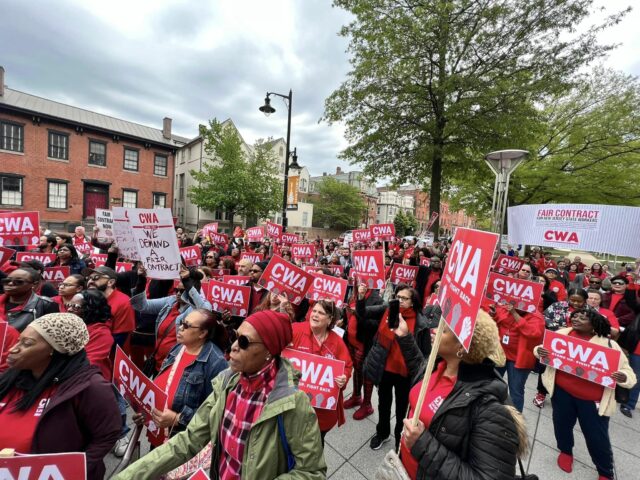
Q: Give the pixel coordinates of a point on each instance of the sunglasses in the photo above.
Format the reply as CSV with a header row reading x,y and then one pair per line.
x,y
73,306
403,298
95,278
617,283
186,325
595,281
255,271
243,342
179,290
18,282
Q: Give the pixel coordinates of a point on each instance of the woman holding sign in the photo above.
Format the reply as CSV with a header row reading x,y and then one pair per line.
x,y
317,338
464,428
576,398
68,257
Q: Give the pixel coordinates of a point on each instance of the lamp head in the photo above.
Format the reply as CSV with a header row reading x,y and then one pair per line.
x,y
267,109
293,165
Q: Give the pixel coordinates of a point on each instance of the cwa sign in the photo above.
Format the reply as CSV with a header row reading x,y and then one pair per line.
x,y
463,280
56,466
522,294
282,277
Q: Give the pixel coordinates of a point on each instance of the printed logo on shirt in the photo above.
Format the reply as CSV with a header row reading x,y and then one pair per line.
x,y
435,404
41,406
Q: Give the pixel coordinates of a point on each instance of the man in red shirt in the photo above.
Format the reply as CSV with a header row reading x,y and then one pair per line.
x,y
545,262
123,319
555,285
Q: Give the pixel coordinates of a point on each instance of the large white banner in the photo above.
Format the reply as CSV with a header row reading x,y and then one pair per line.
x,y
595,228
156,241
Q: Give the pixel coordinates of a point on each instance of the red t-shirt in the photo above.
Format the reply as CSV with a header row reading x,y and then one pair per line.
x,y
166,335
439,389
60,301
576,386
123,318
615,298
161,381
10,339
99,348
434,276
609,315
18,427
509,334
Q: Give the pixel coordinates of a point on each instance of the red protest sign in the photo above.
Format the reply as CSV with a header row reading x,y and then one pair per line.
x,y
368,265
432,220
289,238
192,255
318,374
362,236
383,232
326,287
83,248
142,394
425,261
274,231
19,228
218,273
302,251
199,475
252,256
336,269
236,279
403,274
56,275
581,358
124,267
45,258
255,234
210,228
463,280
505,264
3,334
6,254
282,277
219,238
98,259
225,296
58,466
522,294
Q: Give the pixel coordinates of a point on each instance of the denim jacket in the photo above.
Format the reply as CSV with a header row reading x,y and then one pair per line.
x,y
195,383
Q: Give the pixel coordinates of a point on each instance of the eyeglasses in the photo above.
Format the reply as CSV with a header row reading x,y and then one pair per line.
x,y
595,281
18,282
255,271
403,298
617,283
65,285
243,342
73,306
96,277
186,325
179,290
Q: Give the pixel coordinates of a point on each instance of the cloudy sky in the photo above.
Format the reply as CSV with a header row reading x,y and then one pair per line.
x,y
193,60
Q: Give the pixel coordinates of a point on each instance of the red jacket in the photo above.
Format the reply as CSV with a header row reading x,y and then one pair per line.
x,y
10,339
332,347
123,318
530,329
99,347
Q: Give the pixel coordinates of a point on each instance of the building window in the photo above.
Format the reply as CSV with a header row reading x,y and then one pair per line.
x,y
281,151
181,156
181,186
218,215
97,153
305,218
58,145
160,165
282,168
131,159
159,200
11,188
11,137
57,194
129,198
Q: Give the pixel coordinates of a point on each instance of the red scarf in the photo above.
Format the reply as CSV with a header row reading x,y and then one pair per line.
x,y
387,338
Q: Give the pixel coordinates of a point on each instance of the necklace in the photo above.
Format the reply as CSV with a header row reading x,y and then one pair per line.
x,y
321,339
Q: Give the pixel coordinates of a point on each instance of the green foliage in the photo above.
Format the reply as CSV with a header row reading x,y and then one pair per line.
x,y
582,150
436,84
338,205
405,223
233,182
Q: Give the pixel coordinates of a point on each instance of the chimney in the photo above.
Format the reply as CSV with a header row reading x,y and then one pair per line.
x,y
1,81
166,128
324,174
338,170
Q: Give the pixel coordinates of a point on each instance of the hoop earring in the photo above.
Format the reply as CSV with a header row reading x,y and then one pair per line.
x,y
460,353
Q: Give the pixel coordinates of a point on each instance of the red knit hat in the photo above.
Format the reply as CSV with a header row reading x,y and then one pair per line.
x,y
274,329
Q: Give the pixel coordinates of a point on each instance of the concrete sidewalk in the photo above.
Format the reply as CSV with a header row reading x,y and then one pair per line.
x,y
349,457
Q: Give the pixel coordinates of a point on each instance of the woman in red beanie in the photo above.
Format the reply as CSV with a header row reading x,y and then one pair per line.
x,y
317,337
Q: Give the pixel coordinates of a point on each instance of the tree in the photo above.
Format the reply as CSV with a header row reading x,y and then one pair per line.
x,y
400,222
581,150
436,84
411,225
234,182
337,204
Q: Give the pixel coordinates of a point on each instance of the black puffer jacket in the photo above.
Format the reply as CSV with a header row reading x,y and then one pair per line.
x,y
472,435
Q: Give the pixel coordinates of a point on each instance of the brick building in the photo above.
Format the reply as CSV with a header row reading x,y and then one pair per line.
x,y
65,161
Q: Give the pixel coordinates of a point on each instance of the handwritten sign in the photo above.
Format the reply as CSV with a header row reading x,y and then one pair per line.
x,y
403,274
19,228
104,222
522,294
581,358
228,297
326,287
54,466
463,280
318,374
282,277
123,233
369,266
156,242
140,391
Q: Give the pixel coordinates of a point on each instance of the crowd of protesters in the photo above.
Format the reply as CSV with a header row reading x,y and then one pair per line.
x,y
232,397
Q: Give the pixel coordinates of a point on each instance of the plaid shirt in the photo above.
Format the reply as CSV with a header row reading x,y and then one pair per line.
x,y
242,409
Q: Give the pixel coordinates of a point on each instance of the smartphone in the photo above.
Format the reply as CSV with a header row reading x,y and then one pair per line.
x,y
394,313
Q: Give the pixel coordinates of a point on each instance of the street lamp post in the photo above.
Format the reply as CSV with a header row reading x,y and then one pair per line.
x,y
502,163
267,109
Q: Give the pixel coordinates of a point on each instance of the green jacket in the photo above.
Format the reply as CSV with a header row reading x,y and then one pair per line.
x,y
264,456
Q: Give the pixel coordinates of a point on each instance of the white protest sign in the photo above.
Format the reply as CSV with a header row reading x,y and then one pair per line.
x,y
156,241
124,234
104,222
